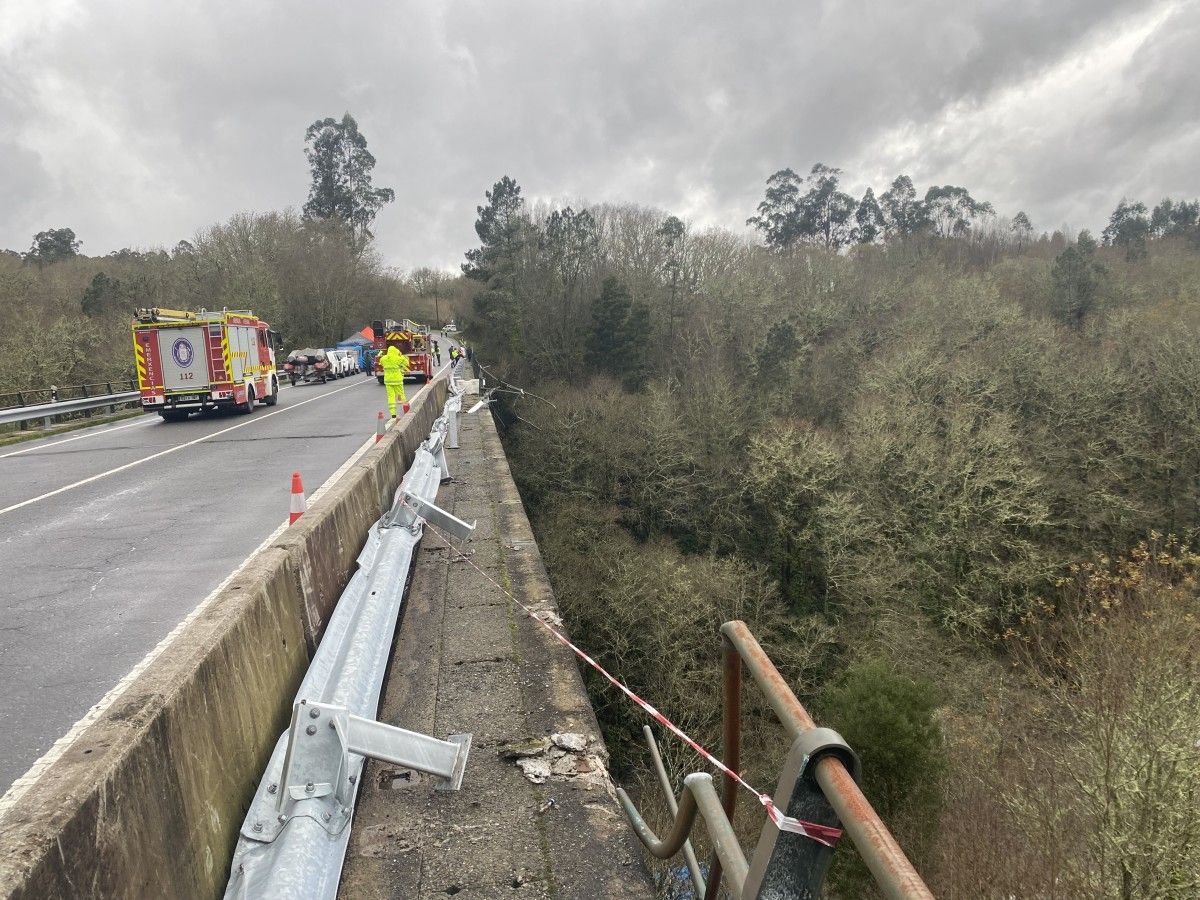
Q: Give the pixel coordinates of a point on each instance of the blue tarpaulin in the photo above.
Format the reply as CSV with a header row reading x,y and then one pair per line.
x,y
360,345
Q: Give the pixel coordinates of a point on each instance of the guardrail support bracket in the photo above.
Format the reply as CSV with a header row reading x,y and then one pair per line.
x,y
319,778
416,506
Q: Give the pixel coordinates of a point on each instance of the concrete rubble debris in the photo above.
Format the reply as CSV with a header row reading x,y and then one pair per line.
x,y
563,756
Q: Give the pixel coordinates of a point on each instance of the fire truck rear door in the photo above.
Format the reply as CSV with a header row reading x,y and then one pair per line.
x,y
184,357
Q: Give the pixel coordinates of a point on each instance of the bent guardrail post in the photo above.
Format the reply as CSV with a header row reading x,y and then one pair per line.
x,y
699,797
295,834
664,781
785,866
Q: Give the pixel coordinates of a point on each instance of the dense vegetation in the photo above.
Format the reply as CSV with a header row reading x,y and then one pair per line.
x,y
948,470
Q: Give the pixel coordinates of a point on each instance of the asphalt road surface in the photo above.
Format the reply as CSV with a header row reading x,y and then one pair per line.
x,y
110,536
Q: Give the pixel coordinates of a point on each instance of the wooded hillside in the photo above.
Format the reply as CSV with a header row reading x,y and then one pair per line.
x,y
949,473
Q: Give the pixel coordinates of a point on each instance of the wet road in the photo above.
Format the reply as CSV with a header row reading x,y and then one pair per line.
x,y
110,536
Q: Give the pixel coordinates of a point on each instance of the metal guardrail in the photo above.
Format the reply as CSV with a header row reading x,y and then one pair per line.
x,y
54,393
295,834
819,784
48,411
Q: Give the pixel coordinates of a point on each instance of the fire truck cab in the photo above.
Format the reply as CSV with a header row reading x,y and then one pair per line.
x,y
188,362
410,339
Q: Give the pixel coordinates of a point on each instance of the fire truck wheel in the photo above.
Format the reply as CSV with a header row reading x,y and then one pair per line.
x,y
273,397
379,378
174,415
247,407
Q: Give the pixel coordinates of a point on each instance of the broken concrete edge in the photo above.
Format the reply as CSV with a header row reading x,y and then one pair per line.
x,y
147,798
573,741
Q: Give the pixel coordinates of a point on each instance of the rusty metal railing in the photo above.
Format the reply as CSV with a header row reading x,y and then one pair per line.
x,y
819,785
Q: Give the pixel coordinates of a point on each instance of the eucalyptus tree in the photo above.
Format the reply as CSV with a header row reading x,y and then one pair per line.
x,y
1173,218
904,214
1128,227
822,215
952,210
53,245
342,189
868,219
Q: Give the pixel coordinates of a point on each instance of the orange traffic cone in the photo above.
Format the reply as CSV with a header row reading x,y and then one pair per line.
x,y
380,426
299,506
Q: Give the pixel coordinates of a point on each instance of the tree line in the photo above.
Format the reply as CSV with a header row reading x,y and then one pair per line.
x,y
815,211
314,275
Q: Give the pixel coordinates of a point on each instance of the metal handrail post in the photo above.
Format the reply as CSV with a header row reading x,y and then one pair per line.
x,y
731,745
699,797
876,846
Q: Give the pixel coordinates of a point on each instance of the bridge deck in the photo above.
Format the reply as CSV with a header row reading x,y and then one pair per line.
x,y
467,660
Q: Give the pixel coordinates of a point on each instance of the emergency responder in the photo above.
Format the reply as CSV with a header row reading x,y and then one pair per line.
x,y
437,352
453,354
394,364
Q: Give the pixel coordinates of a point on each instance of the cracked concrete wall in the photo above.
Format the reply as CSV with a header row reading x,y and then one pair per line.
x,y
147,799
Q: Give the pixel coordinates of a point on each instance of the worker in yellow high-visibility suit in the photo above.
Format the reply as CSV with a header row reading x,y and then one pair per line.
x,y
394,364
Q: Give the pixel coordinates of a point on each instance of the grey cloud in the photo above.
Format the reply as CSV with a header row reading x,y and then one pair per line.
x,y
149,121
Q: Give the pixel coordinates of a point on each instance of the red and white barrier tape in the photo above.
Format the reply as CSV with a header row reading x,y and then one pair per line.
x,y
822,834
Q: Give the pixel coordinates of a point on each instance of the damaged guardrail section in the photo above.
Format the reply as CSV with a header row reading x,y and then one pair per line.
x,y
294,837
145,797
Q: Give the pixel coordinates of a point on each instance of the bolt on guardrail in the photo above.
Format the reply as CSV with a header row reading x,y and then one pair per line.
x,y
818,785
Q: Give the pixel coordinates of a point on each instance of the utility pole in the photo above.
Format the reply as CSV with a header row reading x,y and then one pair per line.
x,y
437,315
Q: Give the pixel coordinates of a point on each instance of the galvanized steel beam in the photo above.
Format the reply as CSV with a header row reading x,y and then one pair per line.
x,y
79,404
294,838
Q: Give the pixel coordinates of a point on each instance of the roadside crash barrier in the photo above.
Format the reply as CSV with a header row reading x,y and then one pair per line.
x,y
56,408
294,837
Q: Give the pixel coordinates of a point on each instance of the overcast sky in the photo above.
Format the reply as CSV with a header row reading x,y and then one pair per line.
x,y
136,122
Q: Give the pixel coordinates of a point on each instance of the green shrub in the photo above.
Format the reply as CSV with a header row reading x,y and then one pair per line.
x,y
889,720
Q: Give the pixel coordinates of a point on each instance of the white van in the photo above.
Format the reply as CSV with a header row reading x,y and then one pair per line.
x,y
340,364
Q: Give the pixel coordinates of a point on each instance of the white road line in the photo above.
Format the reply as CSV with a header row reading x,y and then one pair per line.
x,y
200,440
22,785
90,432
94,431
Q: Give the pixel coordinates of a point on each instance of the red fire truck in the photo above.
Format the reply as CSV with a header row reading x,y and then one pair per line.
x,y
410,339
187,362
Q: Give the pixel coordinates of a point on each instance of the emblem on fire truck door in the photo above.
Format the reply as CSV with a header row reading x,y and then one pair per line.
x,y
183,352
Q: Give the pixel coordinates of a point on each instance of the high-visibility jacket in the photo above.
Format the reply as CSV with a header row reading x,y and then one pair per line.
x,y
394,364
